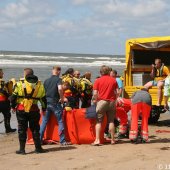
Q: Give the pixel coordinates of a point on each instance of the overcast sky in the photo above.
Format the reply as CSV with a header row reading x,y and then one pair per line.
x,y
80,26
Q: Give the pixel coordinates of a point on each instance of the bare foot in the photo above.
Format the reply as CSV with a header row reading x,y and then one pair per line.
x,y
113,142
96,144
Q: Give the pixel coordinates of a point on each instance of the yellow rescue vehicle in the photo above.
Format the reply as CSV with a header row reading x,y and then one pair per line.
x,y
140,55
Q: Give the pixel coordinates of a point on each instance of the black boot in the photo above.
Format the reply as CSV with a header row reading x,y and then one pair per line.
x,y
7,126
134,141
38,148
121,136
21,151
10,130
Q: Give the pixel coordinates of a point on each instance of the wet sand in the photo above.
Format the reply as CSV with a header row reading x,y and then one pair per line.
x,y
122,156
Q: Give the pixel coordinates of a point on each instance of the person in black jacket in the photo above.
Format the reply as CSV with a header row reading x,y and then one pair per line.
x,y
5,104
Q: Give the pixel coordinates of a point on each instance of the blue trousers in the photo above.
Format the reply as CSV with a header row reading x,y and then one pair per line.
x,y
57,109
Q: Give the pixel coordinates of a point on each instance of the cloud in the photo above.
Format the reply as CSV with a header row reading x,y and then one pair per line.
x,y
6,25
24,13
121,17
62,25
149,8
79,2
134,8
92,22
15,11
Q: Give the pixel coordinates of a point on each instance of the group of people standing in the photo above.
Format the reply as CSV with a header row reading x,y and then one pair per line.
x,y
56,92
69,90
105,95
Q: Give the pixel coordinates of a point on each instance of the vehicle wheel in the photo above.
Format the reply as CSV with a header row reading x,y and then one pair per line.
x,y
154,116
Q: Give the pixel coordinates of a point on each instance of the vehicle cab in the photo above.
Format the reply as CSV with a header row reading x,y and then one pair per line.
x,y
140,55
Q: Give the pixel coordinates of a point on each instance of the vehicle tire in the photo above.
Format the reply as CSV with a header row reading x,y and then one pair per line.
x,y
154,116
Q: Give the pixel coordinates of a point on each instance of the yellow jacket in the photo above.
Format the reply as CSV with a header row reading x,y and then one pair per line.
x,y
86,86
27,92
161,73
74,82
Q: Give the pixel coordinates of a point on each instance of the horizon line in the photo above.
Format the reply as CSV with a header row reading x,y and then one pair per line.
x,y
3,51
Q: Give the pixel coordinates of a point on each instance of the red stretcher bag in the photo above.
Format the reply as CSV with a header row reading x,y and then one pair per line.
x,y
80,129
51,132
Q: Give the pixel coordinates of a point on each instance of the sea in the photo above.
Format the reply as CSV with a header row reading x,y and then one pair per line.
x,y
14,62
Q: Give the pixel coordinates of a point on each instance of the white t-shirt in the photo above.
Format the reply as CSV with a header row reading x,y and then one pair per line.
x,y
167,87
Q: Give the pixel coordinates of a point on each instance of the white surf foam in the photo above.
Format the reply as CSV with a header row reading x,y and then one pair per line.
x,y
32,56
26,62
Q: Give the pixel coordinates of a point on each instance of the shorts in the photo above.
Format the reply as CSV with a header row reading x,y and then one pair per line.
x,y
106,107
155,83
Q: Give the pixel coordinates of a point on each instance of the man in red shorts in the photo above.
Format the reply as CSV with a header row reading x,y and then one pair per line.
x,y
104,95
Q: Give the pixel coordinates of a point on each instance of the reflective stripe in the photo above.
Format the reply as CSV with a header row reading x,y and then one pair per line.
x,y
133,135
144,135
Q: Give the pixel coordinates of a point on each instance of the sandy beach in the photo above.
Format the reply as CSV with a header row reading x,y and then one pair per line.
x,y
154,155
